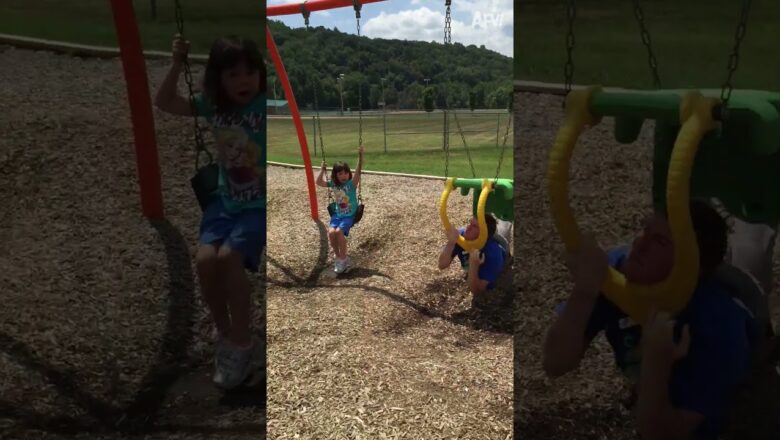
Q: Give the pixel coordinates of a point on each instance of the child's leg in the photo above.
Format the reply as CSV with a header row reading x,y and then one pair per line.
x,y
333,236
342,243
238,288
209,279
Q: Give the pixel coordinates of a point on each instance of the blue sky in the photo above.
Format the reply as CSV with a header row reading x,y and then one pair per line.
x,y
479,22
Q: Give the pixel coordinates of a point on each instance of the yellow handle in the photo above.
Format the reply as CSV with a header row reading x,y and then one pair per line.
x,y
673,293
479,242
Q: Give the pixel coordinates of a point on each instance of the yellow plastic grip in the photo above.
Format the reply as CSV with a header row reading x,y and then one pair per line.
x,y
479,242
673,293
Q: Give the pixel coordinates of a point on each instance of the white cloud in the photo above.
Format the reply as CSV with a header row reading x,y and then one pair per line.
x,y
490,24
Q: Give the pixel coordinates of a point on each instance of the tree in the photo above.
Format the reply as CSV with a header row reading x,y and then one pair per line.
x,y
472,100
427,98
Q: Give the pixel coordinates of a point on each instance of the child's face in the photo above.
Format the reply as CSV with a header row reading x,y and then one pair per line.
x,y
240,84
652,253
472,230
342,176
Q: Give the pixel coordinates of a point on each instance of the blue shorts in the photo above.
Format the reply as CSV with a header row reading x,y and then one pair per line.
x,y
342,223
244,231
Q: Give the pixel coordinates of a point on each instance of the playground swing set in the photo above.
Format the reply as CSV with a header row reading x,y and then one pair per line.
x,y
492,196
705,146
489,195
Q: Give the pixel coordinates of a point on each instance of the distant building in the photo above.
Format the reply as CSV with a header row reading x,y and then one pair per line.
x,y
277,107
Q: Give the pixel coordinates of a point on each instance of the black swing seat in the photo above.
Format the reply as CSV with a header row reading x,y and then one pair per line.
x,y
358,213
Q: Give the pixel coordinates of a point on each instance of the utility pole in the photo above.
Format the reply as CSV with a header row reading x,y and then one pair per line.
x,y
384,113
340,80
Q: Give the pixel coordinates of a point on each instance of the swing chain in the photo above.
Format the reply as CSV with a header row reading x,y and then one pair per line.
x,y
503,148
317,118
446,148
448,23
447,40
640,18
306,14
358,6
568,71
725,93
199,143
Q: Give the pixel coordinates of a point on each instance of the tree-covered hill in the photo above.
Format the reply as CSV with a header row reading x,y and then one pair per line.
x,y
316,57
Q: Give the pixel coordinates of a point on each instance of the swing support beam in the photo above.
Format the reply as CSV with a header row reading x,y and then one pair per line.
x,y
140,102
281,72
311,6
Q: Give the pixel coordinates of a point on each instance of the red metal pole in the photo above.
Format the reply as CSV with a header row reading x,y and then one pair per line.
x,y
140,108
311,6
282,74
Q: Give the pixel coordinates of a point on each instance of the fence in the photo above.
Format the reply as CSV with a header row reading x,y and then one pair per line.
x,y
486,127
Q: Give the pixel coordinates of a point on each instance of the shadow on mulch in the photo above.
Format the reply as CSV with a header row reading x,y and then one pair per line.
x,y
172,363
319,267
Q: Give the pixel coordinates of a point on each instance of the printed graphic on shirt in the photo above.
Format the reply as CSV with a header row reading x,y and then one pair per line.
x,y
342,201
239,156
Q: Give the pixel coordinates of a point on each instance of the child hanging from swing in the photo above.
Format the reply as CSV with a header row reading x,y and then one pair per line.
x,y
343,208
232,229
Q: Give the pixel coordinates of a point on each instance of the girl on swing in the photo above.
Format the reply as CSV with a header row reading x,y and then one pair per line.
x,y
232,229
344,207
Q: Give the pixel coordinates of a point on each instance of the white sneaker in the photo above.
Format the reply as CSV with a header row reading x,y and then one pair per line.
x,y
347,264
340,266
234,365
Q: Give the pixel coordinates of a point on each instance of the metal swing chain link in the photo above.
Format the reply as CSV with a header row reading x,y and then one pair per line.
x,y
465,145
306,14
448,23
199,143
725,93
568,70
358,6
640,17
319,121
447,41
503,148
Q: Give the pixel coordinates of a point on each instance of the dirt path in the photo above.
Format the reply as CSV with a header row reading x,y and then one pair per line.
x,y
610,194
386,351
101,327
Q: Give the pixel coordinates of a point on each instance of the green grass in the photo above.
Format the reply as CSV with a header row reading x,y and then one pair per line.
x,y
91,22
406,153
692,41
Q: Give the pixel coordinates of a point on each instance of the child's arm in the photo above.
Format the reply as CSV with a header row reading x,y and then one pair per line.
x,y
476,284
356,176
445,257
321,177
168,98
567,338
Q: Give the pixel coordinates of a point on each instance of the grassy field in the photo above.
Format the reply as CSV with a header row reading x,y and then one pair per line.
x,y
91,22
418,153
692,41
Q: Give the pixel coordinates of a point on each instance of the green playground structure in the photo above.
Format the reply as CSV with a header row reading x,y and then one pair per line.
x,y
739,163
499,202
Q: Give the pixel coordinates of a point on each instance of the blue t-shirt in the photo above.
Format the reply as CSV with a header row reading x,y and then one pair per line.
x,y
495,256
719,355
241,152
345,199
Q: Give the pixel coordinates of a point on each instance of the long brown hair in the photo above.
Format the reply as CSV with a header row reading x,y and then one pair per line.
x,y
226,53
